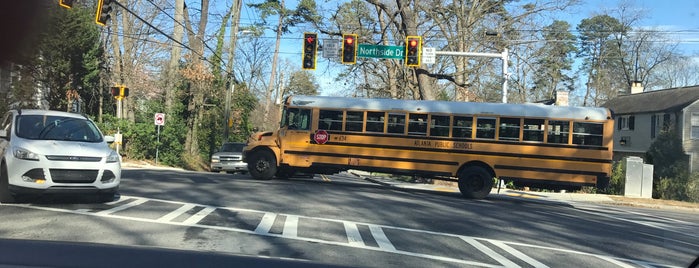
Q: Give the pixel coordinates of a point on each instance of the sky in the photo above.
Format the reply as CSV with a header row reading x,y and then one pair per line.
x,y
680,18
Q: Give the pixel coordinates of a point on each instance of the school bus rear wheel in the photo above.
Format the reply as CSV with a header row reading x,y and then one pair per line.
x,y
262,165
475,182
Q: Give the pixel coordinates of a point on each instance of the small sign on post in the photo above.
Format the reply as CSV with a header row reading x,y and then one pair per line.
x,y
159,119
331,48
429,55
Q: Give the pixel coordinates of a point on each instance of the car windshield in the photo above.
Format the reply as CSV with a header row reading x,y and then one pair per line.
x,y
232,147
46,127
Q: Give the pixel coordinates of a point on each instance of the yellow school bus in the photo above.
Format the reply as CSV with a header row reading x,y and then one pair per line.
x,y
472,143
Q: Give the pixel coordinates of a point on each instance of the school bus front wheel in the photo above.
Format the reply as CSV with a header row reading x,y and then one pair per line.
x,y
475,182
262,165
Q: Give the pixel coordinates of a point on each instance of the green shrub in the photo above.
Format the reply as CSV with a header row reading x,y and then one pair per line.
x,y
617,179
685,187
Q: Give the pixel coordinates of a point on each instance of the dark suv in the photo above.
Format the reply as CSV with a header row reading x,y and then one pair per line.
x,y
229,158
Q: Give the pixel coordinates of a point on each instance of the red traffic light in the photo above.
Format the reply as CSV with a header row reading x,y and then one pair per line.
x,y
310,38
349,49
412,51
310,46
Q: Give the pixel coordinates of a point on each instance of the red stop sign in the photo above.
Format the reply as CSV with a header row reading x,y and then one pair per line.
x,y
321,136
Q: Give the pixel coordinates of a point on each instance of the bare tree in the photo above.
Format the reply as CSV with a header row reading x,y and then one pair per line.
x,y
679,71
198,76
175,56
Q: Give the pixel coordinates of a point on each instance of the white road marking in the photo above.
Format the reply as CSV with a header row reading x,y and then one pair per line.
x,y
531,261
601,212
494,255
194,219
176,213
137,202
381,238
291,226
375,229
353,235
266,223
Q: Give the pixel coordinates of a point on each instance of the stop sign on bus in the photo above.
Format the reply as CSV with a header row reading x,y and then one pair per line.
x,y
321,136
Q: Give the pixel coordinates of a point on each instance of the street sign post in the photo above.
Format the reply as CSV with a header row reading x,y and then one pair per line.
x,y
159,121
382,52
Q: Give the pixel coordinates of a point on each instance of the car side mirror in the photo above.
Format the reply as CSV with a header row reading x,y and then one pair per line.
x,y
109,139
3,134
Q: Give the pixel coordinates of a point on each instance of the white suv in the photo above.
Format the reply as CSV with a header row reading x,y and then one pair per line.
x,y
46,152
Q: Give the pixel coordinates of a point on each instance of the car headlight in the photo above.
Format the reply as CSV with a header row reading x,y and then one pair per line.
x,y
25,154
113,157
215,159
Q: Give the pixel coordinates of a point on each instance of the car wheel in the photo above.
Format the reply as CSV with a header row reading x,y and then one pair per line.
x,y
475,182
262,165
5,195
106,197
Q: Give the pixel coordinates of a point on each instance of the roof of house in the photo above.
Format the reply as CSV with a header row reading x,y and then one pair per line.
x,y
672,99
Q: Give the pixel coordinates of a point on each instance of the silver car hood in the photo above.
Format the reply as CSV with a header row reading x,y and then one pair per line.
x,y
67,148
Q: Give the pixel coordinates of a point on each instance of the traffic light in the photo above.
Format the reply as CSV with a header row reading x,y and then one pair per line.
x,y
115,91
412,51
349,48
66,3
119,92
310,46
103,9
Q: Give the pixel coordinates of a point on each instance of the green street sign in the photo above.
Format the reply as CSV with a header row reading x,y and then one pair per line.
x,y
383,52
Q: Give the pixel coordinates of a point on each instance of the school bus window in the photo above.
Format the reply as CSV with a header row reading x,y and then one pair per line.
x,y
485,128
299,119
354,121
396,123
439,126
330,120
375,121
533,130
463,126
587,133
558,131
509,128
417,124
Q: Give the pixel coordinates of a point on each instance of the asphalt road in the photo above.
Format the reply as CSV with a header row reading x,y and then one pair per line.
x,y
348,221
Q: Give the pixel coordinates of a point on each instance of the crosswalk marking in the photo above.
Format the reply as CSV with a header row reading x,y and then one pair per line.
x,y
381,238
353,235
176,213
519,254
194,219
137,202
497,257
266,223
291,226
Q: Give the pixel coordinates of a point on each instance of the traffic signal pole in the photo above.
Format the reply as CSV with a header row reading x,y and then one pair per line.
x,y
504,56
